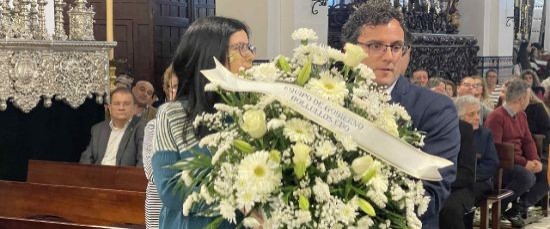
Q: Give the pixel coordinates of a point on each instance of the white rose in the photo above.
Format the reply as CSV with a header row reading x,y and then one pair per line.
x,y
354,55
304,34
265,72
301,153
361,164
253,122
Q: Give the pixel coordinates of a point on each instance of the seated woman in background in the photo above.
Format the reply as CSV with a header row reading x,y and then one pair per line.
x,y
533,80
169,86
227,40
538,120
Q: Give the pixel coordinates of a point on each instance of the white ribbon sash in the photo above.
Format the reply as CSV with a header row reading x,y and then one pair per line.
x,y
339,120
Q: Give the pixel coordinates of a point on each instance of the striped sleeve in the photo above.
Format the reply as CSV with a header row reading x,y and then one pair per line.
x,y
173,135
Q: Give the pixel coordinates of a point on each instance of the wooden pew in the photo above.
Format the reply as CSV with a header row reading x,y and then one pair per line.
x,y
77,205
9,222
93,176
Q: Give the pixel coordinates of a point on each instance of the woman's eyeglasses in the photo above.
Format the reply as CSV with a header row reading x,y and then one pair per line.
x,y
244,48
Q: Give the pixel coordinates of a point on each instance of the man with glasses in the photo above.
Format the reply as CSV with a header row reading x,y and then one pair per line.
x,y
378,28
469,86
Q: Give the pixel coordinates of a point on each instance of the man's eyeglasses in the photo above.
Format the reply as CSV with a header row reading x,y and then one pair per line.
x,y
244,48
378,49
472,85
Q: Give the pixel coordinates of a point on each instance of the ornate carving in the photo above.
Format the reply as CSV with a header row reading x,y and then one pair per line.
x,y
81,21
447,56
68,70
58,16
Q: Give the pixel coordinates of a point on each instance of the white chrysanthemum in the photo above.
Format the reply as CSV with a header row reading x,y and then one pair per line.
x,y
260,173
265,72
298,130
365,222
348,212
251,222
318,55
328,87
188,203
335,54
227,211
275,124
205,194
211,87
325,149
348,142
387,123
321,191
303,217
187,180
304,34
365,72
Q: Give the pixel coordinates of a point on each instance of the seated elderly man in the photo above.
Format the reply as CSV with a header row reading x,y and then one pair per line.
x,y
528,177
466,191
117,141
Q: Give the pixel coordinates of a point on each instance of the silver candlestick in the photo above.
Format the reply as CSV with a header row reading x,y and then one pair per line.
x,y
33,17
42,33
81,21
24,20
59,27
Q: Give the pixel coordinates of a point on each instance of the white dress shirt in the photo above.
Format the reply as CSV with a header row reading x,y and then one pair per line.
x,y
114,141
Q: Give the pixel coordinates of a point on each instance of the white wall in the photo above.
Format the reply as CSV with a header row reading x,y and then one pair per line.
x,y
273,21
486,20
50,21
472,21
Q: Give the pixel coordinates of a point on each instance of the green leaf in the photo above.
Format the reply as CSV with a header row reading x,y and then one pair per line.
x,y
215,224
303,202
300,169
304,74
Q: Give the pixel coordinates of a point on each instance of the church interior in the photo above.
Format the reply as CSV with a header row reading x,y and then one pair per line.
x,y
60,60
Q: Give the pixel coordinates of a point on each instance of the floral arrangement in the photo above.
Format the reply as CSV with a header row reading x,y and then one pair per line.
x,y
281,170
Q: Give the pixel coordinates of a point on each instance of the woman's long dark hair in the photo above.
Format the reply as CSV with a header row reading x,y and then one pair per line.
x,y
523,56
206,38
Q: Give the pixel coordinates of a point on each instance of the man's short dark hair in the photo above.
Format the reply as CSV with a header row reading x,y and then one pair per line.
x,y
373,13
122,90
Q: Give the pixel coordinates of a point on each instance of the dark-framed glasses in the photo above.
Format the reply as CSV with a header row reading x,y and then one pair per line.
x,y
379,49
244,48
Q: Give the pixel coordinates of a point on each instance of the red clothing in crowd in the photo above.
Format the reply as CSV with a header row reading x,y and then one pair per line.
x,y
513,130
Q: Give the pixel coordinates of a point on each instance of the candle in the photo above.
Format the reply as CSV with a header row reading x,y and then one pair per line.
x,y
109,26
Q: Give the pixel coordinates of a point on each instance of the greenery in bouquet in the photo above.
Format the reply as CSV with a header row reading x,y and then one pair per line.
x,y
282,170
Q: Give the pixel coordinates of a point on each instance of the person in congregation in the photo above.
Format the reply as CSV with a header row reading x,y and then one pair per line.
x,y
169,86
538,119
437,85
528,178
481,93
420,77
144,93
532,79
469,86
378,28
124,80
493,87
463,197
119,140
450,87
227,40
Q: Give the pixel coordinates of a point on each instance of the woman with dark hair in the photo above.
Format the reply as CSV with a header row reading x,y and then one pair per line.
x,y
533,80
493,88
175,136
